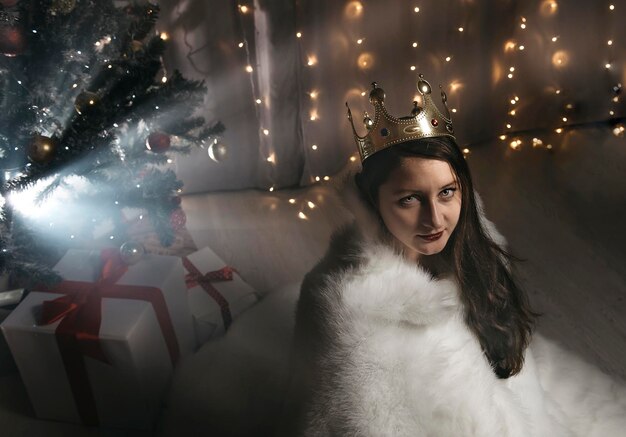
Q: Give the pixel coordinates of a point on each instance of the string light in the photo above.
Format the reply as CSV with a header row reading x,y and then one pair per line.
x,y
554,38
244,9
249,68
414,44
610,42
240,45
448,58
266,132
258,101
416,9
164,36
521,47
611,7
359,41
299,35
302,215
314,147
312,60
311,204
292,201
460,29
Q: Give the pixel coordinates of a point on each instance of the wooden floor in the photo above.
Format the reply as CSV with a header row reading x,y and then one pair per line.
x,y
562,211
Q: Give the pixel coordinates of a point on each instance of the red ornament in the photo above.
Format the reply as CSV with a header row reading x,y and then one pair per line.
x,y
158,142
12,41
178,219
434,122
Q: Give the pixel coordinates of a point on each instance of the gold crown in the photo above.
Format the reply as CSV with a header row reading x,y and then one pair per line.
x,y
385,130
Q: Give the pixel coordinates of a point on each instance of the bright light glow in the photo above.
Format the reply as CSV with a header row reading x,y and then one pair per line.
x,y
240,45
607,65
314,147
311,61
510,75
359,41
317,178
416,9
554,38
612,7
299,35
271,158
537,142
558,130
302,215
249,68
523,26
509,45
611,112
503,137
508,126
412,68
313,94
353,9
258,101
313,116
521,47
326,178
164,36
365,61
266,132
513,101
461,29
560,58
414,44
292,200
271,189
243,8
512,112
466,151
311,204
610,42
512,69
558,91
564,119
448,58
453,109
164,79
353,158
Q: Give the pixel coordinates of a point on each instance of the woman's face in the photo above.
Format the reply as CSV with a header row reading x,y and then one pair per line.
x,y
421,198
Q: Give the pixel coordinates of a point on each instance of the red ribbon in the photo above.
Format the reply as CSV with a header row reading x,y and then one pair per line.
x,y
80,309
195,278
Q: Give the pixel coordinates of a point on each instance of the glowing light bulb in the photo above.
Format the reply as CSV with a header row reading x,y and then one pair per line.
x,y
302,215
311,61
353,158
271,189
610,42
607,65
243,8
513,101
164,79
460,29
313,95
523,26
453,109
266,132
448,58
503,137
564,119
416,9
326,178
510,75
512,69
164,36
558,130
299,35
359,41
258,101
554,38
412,68
414,44
311,204
314,147
292,201
521,47
508,126
317,178
512,112
611,7
240,45
466,151
249,68
558,91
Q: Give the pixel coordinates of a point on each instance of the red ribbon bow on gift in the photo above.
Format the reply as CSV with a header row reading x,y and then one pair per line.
x,y
80,312
195,278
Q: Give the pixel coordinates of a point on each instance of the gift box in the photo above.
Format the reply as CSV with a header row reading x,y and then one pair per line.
x,y
216,294
99,349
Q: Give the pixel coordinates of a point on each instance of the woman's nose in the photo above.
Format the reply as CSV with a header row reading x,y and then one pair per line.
x,y
432,216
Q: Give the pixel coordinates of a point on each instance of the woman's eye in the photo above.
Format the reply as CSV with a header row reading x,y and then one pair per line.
x,y
407,200
448,192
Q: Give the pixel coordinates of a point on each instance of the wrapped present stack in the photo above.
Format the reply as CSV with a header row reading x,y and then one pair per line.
x,y
100,347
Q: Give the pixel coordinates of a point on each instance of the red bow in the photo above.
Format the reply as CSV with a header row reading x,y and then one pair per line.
x,y
195,278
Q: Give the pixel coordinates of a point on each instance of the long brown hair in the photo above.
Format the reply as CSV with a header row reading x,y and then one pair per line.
x,y
496,307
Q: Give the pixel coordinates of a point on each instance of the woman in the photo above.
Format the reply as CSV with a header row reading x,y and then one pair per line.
x,y
413,323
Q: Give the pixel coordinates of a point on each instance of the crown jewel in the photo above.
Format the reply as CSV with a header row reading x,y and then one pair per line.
x,y
385,130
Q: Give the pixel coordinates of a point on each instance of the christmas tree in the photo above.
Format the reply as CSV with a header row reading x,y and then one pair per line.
x,y
89,119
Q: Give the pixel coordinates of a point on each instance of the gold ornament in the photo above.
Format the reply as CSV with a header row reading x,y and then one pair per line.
x,y
218,151
136,46
42,149
63,7
85,100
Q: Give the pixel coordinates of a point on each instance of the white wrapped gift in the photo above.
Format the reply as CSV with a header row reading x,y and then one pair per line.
x,y
214,303
127,383
127,391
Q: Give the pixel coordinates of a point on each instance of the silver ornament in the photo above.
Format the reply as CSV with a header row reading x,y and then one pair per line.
x,y
132,252
218,151
367,121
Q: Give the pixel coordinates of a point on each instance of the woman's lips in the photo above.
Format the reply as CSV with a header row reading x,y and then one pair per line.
x,y
431,237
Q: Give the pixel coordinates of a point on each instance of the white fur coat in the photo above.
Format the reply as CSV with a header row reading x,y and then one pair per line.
x,y
382,350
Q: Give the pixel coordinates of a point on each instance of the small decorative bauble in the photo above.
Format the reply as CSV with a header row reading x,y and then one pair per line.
x,y
178,219
42,149
63,7
132,252
12,40
136,46
158,142
218,151
85,101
